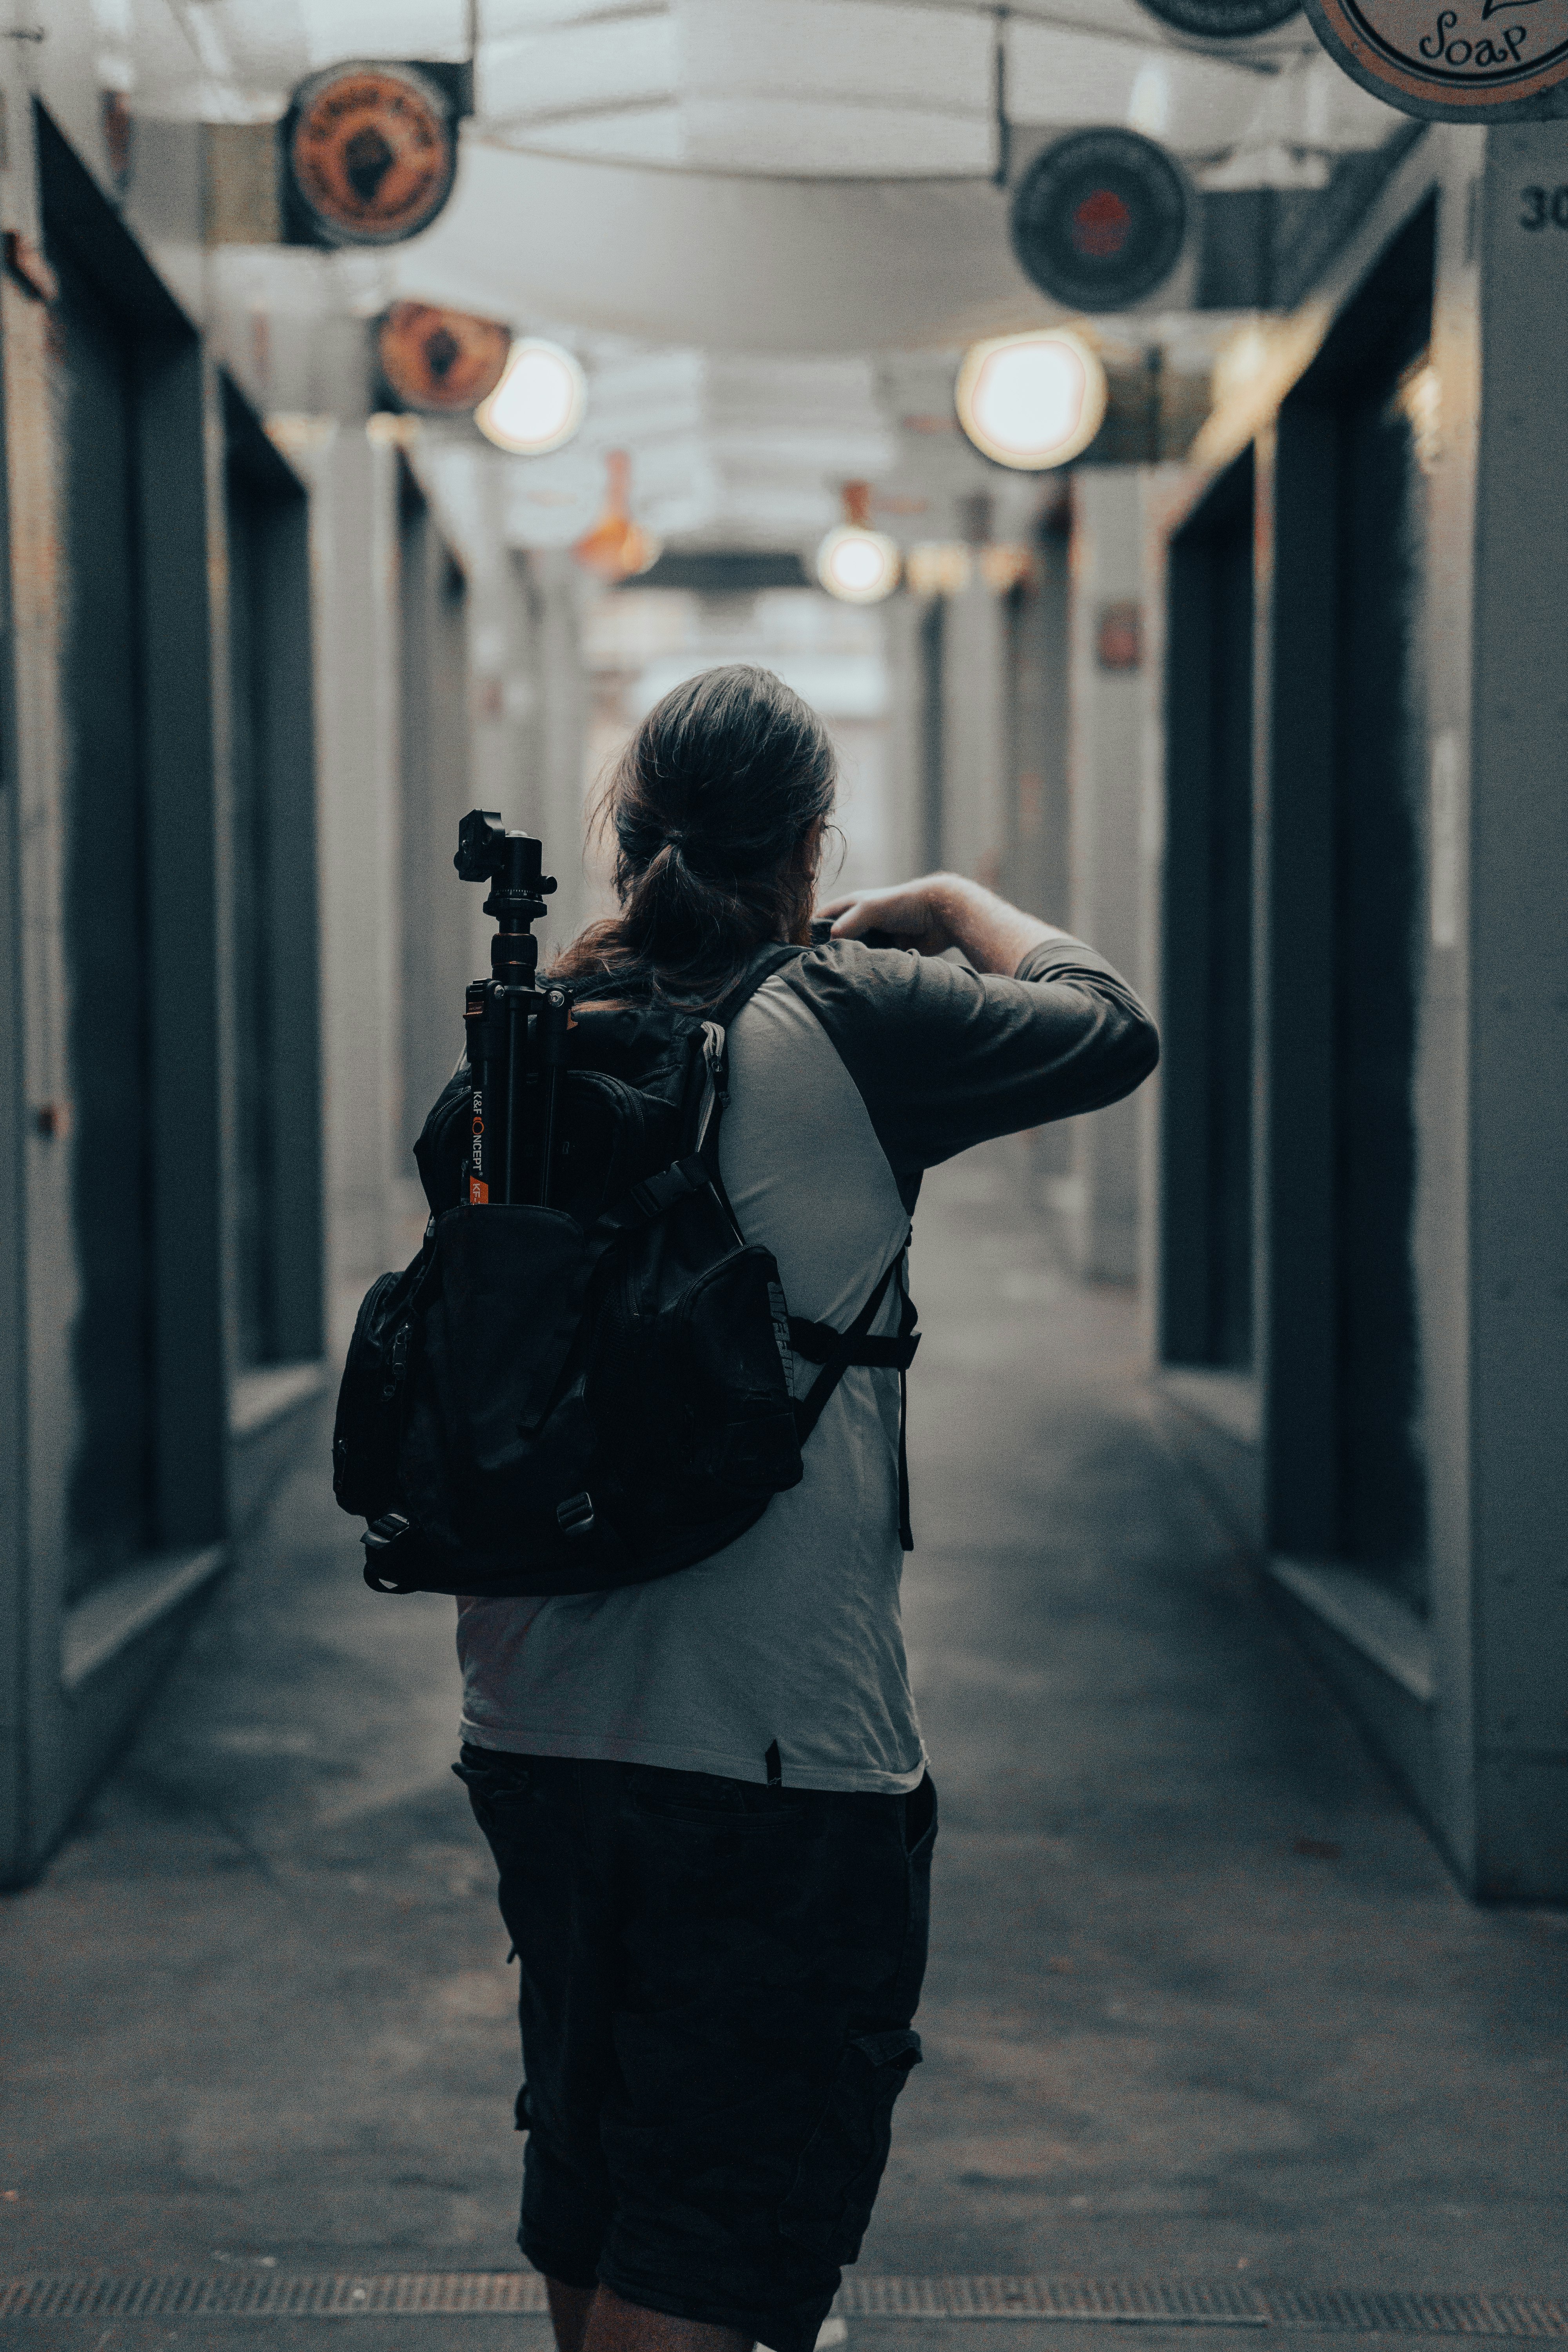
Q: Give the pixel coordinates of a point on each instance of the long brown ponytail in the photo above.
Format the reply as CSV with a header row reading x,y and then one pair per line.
x,y
718,804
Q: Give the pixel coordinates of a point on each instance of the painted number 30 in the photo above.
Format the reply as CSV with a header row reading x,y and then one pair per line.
x,y
1543,206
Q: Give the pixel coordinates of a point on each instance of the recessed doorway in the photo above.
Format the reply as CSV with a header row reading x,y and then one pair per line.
x,y
1206,997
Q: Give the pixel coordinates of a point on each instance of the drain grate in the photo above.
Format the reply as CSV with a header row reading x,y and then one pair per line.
x,y
1154,2303
269,2294
1180,2302
1202,2303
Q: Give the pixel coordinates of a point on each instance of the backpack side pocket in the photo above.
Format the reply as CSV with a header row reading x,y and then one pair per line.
x,y
371,1396
506,1296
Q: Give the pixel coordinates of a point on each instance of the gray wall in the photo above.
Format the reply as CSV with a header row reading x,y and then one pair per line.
x,y
1499,886
975,741
1448,1641
118,699
354,560
435,788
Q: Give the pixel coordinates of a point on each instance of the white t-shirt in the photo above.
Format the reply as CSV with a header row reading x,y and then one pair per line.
x,y
849,1072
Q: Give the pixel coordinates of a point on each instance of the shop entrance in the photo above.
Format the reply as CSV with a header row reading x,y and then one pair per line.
x,y
1206,1001
106,930
1347,863
148,1413
277,1155
1381,729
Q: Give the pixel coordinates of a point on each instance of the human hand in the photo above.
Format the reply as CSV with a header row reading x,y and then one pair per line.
x,y
920,915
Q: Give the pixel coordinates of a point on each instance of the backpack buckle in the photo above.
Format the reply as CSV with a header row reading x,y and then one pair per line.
x,y
381,1540
574,1517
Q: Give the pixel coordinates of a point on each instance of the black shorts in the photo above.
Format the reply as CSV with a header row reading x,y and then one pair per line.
x,y
717,1984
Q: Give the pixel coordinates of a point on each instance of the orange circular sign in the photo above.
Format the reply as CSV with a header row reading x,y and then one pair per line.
x,y
441,360
373,151
1453,62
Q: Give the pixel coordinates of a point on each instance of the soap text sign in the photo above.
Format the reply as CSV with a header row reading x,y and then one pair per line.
x,y
1463,61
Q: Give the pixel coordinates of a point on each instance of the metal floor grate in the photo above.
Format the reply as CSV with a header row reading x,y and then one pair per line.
x,y
1155,2302
1202,2303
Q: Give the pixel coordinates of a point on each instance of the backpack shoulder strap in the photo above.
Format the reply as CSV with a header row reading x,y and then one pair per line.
x,y
763,966
703,1138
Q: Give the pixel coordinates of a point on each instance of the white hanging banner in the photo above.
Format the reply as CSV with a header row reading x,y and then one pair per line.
x,y
1465,61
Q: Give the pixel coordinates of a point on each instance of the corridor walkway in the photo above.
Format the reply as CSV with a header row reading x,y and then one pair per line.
x,y
1202,1999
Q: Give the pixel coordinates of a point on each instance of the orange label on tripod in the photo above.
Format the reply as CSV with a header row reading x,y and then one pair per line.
x,y
478,1193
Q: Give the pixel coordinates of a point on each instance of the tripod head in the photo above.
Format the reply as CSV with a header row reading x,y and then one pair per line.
x,y
511,864
509,861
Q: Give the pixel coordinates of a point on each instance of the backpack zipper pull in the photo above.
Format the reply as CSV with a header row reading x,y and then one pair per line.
x,y
398,1361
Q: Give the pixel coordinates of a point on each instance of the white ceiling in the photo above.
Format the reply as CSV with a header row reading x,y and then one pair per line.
x,y
697,193
767,174
865,88
801,88
744,263
725,450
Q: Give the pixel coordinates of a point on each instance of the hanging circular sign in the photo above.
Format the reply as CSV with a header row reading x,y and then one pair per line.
x,y
1491,61
372,152
1223,20
441,360
1100,219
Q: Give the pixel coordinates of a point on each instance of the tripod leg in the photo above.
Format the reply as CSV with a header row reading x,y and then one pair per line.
x,y
516,1029
553,1025
478,1151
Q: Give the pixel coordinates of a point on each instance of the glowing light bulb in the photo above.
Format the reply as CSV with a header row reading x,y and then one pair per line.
x,y
539,402
858,566
1031,400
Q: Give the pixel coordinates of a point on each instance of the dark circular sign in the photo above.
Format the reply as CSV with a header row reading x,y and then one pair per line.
x,y
441,360
1465,61
1223,20
373,151
1100,219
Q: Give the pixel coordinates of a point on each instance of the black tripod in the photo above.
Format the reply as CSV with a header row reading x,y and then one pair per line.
x,y
515,1028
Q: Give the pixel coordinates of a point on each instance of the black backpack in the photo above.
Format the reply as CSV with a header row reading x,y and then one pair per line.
x,y
594,1394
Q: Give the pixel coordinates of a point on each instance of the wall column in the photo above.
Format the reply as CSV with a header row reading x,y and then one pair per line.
x,y
354,535
560,788
903,815
974,836
1105,768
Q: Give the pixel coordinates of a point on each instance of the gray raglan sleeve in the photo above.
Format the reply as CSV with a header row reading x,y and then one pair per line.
x,y
946,1057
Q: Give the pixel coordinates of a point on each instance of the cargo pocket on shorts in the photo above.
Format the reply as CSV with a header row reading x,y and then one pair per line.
x,y
837,2181
498,1785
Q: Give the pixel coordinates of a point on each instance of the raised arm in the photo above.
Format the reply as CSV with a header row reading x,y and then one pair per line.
x,y
1035,1026
942,911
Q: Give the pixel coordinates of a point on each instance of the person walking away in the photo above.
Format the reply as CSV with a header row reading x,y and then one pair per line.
x,y
707,1796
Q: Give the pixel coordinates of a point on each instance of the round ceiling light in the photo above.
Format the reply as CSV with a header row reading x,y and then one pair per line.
x,y
1100,219
858,566
539,402
1031,400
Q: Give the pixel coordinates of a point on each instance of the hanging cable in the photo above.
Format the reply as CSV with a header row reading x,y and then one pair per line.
x,y
1004,128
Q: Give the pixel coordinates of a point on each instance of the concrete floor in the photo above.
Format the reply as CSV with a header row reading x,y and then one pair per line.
x,y
1202,1999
